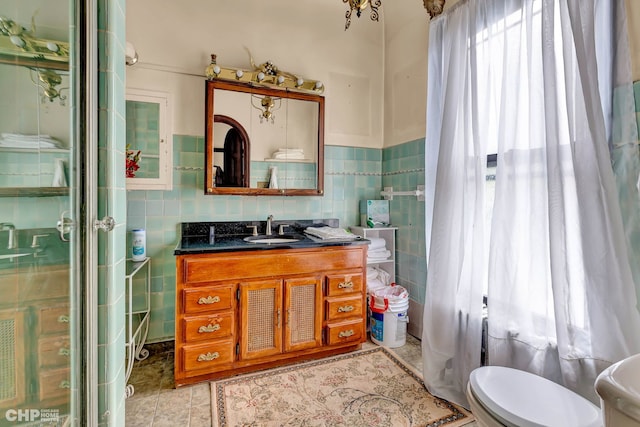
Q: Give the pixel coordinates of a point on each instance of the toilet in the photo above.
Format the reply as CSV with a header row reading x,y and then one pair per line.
x,y
619,389
501,396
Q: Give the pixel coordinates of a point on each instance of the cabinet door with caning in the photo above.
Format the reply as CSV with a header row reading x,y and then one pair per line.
x,y
12,359
303,313
261,318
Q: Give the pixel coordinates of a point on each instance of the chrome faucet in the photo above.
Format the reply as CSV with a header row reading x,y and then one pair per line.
x,y
12,234
268,230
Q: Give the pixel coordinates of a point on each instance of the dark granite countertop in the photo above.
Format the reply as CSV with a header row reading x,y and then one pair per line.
x,y
213,237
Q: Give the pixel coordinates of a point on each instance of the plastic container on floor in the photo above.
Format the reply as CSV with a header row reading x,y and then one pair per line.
x,y
389,306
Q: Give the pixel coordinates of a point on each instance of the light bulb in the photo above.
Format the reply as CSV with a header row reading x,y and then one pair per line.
x,y
260,76
216,69
17,41
239,74
299,82
52,47
280,80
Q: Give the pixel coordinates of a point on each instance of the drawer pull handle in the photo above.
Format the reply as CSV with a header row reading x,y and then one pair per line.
x,y
209,328
63,319
65,384
345,285
346,334
208,357
209,300
345,309
64,352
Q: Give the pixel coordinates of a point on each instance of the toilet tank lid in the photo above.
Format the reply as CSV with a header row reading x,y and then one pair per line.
x,y
527,400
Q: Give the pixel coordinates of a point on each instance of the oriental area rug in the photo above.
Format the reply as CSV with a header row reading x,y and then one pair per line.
x,y
362,388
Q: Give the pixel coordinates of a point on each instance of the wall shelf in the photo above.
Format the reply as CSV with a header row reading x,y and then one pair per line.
x,y
34,191
389,236
34,150
136,332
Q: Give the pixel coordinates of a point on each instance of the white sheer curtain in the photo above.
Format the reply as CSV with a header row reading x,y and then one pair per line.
x,y
525,77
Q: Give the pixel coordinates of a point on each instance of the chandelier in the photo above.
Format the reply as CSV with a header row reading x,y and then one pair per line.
x,y
267,105
359,6
434,7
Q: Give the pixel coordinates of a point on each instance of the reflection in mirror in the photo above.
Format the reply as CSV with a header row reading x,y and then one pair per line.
x,y
34,130
143,134
231,153
263,141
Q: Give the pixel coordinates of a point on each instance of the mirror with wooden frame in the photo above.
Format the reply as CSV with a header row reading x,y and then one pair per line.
x,y
263,141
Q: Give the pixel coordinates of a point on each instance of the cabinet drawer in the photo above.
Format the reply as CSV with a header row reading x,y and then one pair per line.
x,y
341,284
349,331
55,384
54,320
214,326
276,262
208,298
54,352
211,357
342,308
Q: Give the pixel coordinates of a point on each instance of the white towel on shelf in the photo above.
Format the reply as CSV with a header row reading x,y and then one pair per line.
x,y
378,256
330,233
376,243
289,154
17,140
291,150
377,278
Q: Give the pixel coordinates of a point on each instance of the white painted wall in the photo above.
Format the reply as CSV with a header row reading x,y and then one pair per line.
x,y
375,73
305,37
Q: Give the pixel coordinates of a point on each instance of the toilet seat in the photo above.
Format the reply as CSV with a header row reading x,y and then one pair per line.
x,y
522,399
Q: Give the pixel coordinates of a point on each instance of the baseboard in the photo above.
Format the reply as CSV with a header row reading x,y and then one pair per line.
x,y
415,312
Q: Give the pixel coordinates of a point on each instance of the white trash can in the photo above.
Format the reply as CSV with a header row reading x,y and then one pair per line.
x,y
389,306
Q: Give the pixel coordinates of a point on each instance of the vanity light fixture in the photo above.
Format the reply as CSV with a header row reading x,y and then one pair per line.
x,y
24,43
48,80
266,75
359,6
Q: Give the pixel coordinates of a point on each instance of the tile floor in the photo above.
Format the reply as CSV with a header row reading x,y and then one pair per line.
x,y
156,403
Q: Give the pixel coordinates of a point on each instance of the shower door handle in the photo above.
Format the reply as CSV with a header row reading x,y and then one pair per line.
x,y
65,225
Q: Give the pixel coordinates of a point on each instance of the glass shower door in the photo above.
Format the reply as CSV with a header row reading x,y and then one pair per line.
x,y
41,346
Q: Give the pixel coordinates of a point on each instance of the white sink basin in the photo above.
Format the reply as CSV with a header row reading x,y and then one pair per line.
x,y
271,239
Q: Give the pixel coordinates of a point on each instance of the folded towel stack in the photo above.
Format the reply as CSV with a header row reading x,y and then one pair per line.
x,y
377,278
17,140
377,250
289,154
330,233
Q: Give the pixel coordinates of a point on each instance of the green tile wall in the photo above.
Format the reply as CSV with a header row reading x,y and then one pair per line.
x,y
351,174
143,134
403,169
111,202
29,169
290,175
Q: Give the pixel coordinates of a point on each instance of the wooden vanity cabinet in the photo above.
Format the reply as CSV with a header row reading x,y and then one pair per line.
x,y
243,311
280,315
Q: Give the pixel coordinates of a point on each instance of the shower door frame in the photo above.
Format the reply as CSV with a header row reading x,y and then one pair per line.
x,y
87,120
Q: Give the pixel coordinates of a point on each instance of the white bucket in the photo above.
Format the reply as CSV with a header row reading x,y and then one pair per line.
x,y
389,316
